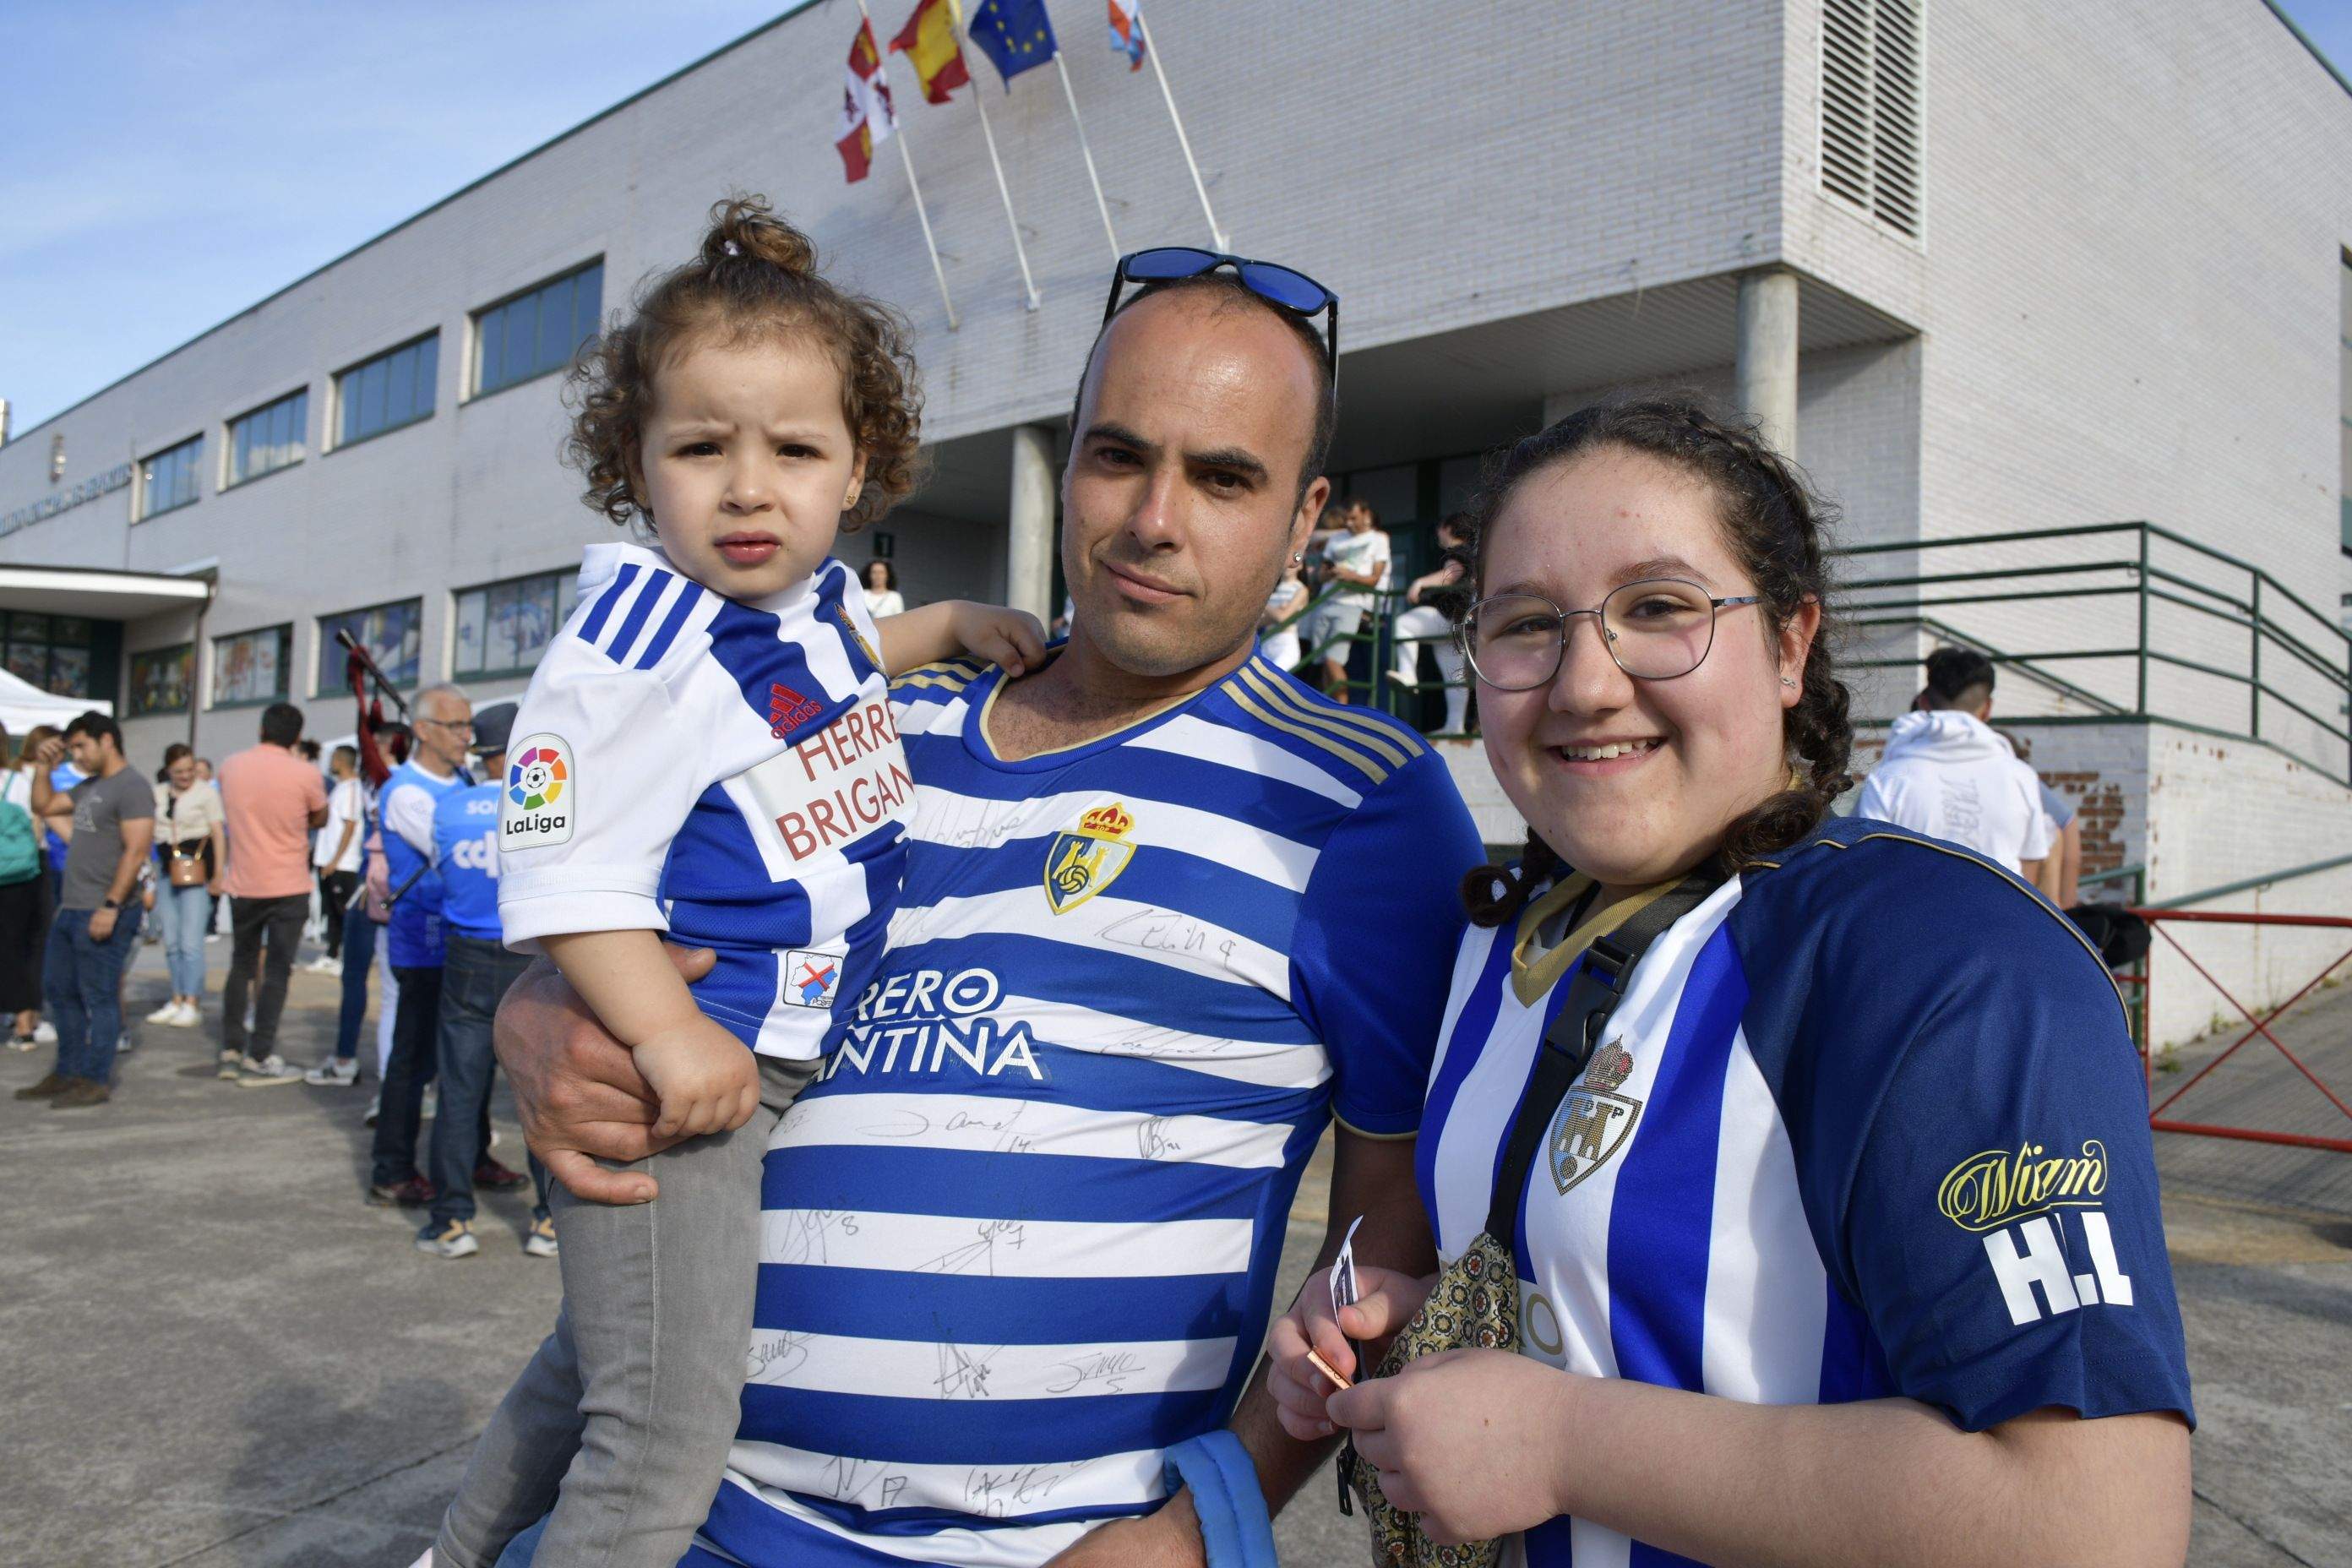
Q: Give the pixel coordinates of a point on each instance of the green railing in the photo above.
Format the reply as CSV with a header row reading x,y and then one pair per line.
x,y
1376,632
2276,622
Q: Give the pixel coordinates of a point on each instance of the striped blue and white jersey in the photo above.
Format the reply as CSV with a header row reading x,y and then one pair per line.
x,y
728,772
1022,1234
1825,1150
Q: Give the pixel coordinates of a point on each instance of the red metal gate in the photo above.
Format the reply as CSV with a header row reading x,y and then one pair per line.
x,y
2157,921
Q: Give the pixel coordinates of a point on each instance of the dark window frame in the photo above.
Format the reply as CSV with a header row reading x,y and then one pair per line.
x,y
331,438
145,508
230,479
319,624
130,704
215,703
477,320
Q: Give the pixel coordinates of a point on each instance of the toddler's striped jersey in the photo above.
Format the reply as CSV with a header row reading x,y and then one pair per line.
x,y
1868,1123
1022,1235
726,772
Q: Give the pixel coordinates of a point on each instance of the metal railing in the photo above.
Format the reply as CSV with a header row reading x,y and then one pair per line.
x,y
1376,632
2299,641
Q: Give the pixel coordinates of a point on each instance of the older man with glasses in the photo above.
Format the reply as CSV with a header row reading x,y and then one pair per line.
x,y
443,719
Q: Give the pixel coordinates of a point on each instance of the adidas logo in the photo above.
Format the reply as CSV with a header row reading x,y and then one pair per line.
x,y
788,709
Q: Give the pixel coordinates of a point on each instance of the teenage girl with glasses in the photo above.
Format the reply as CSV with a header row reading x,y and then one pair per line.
x,y
1842,1247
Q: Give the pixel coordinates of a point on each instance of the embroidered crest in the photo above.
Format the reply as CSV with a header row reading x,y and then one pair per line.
x,y
850,625
1594,1120
1082,863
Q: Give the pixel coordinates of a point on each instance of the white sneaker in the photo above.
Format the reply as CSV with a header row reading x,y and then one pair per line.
x,y
455,1239
272,1068
169,1013
322,964
541,1242
332,1073
44,1032
187,1017
126,1043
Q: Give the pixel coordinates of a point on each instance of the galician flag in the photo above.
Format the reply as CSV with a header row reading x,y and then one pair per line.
x,y
866,118
929,42
1127,31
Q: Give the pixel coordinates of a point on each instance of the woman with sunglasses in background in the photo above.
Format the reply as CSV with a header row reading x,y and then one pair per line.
x,y
1826,1178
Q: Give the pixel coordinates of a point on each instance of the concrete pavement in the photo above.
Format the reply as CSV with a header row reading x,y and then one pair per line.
x,y
221,1356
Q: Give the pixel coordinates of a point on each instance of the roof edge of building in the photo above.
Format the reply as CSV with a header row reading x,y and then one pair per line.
x,y
792,8
2305,39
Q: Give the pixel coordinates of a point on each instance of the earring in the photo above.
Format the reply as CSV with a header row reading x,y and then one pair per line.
x,y
1298,560
1786,681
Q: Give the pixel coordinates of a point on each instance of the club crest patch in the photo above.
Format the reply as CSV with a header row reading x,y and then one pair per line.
x,y
541,795
1083,862
1593,1120
811,979
849,625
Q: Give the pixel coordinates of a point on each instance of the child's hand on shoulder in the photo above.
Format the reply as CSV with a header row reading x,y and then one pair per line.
x,y
1001,636
707,1080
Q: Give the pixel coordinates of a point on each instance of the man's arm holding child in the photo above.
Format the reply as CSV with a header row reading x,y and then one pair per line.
x,y
955,626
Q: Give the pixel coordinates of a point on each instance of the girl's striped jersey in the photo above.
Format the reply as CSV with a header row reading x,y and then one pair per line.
x,y
728,772
1021,1236
1866,1124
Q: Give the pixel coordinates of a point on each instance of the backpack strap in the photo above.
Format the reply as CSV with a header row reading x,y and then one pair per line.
x,y
1594,991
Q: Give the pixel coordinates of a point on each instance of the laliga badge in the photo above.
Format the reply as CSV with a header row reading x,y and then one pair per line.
x,y
541,798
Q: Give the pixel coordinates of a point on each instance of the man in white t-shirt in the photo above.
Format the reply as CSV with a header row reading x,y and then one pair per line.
x,y
335,854
1356,562
1947,773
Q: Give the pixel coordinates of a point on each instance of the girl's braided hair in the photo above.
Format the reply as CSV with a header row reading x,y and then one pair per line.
x,y
1774,524
755,275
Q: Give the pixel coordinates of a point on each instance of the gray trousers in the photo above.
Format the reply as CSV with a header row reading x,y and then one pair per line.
x,y
622,1421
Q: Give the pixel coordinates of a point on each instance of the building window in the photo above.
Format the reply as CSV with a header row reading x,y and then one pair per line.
x,y
503,628
168,479
160,679
51,652
393,636
269,438
388,391
251,666
537,332
1870,108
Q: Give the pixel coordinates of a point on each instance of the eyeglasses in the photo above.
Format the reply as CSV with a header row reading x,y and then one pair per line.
x,y
1656,630
1284,288
463,726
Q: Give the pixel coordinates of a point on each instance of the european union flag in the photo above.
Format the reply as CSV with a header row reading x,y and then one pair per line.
x,y
1015,35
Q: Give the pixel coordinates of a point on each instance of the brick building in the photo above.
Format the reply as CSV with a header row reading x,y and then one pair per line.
x,y
1990,268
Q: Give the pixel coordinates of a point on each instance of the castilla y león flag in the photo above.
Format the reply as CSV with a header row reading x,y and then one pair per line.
x,y
866,118
928,41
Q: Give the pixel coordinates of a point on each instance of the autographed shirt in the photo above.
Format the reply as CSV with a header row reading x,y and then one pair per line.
x,y
1816,1159
728,772
1021,1236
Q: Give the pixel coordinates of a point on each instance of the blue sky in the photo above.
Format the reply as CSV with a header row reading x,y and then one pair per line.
x,y
165,165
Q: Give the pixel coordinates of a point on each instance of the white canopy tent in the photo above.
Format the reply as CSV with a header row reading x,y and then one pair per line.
x,y
24,705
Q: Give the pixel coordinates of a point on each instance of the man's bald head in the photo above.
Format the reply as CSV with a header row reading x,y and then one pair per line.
x,y
1223,295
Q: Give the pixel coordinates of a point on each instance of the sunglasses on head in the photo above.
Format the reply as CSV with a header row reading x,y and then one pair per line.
x,y
1286,288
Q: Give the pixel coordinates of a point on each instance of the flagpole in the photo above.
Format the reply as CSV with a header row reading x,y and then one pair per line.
x,y
980,102
1088,153
1174,119
922,214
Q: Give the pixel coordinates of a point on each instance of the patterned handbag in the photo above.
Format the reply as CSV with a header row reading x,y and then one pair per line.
x,y
1475,1304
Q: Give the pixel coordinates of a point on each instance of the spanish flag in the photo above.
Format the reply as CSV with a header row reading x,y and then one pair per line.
x,y
928,41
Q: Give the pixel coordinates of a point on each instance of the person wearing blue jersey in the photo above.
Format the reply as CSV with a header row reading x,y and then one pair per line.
x,y
413,937
476,970
1168,913
1818,1147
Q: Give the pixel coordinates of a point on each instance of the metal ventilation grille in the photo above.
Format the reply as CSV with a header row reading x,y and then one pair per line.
x,y
1870,108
